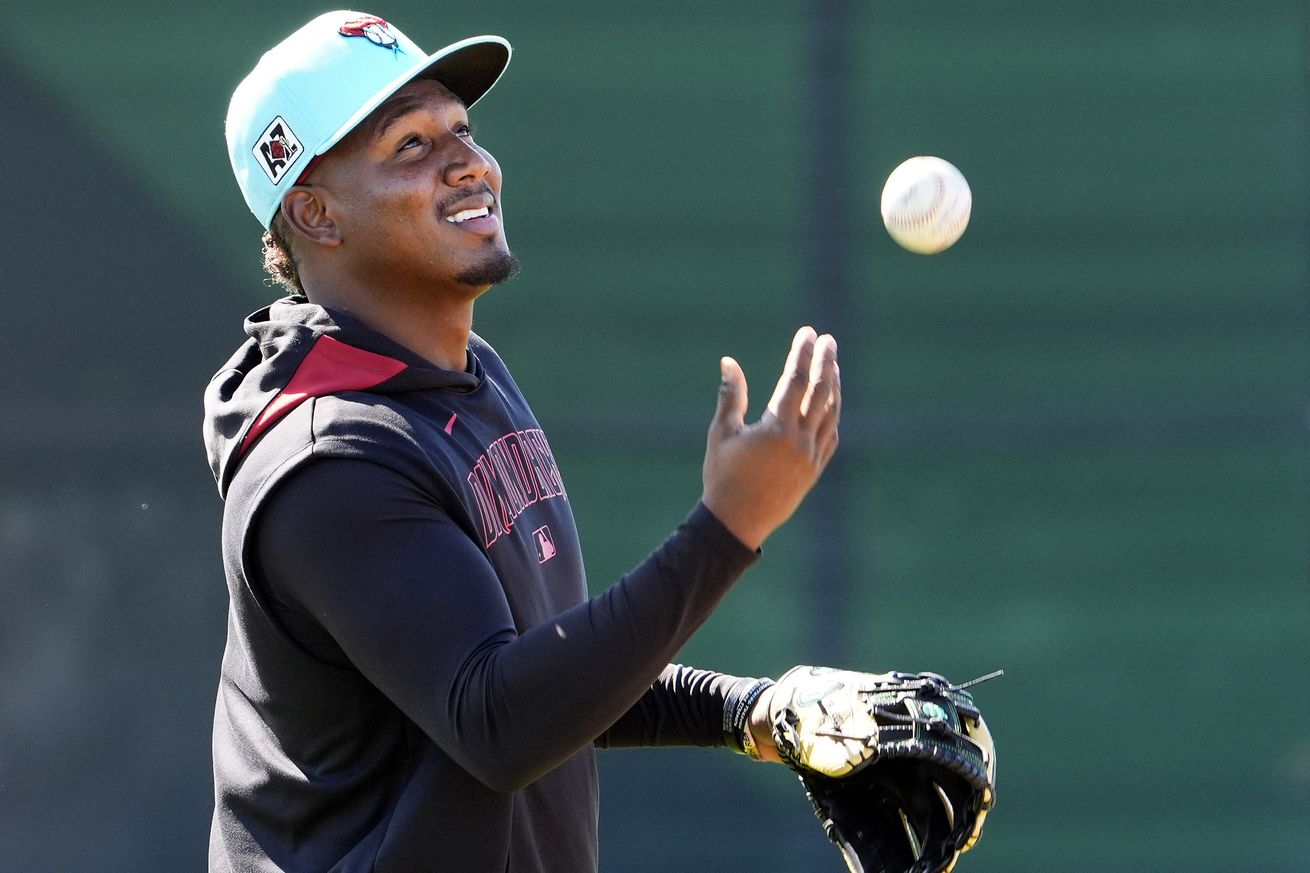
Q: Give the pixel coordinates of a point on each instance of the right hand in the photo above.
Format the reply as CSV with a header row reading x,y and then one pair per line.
x,y
756,475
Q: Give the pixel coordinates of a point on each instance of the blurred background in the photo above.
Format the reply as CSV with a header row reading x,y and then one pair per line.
x,y
1074,446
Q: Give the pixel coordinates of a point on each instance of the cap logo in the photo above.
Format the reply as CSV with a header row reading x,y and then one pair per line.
x,y
374,29
277,149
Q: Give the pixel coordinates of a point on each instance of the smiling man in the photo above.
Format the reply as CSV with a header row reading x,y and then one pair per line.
x,y
415,677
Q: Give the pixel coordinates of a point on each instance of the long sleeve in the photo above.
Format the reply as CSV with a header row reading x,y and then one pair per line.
x,y
684,707
366,565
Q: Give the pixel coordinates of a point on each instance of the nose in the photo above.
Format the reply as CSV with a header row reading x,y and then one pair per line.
x,y
468,163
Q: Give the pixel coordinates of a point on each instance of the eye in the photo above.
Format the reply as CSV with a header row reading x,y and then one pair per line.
x,y
410,141
464,130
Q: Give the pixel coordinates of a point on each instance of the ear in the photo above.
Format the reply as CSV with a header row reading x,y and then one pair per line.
x,y
306,211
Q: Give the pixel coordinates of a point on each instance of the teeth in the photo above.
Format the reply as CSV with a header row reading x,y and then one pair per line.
x,y
466,214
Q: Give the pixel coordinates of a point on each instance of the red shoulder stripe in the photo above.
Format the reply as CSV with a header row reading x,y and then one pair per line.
x,y
330,366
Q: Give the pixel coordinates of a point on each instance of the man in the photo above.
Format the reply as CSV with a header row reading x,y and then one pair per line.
x,y
415,678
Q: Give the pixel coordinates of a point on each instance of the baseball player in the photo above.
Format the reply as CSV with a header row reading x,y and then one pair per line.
x,y
414,677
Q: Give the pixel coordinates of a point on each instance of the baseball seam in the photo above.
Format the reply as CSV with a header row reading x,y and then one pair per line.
x,y
927,216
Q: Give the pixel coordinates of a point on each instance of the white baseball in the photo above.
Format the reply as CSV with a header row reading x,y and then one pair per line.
x,y
926,204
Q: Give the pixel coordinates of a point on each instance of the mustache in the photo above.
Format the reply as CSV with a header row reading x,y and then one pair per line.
x,y
463,194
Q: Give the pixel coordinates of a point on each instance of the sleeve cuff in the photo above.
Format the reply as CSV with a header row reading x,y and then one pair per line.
x,y
707,524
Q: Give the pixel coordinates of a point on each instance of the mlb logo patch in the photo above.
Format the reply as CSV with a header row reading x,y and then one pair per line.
x,y
277,150
545,544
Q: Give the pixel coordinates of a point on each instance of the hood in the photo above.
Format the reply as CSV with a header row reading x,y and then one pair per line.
x,y
296,350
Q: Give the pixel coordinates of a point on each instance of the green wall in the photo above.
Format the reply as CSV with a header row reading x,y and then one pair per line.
x,y
1074,446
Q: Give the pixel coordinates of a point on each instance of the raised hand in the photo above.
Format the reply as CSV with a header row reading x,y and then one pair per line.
x,y
756,475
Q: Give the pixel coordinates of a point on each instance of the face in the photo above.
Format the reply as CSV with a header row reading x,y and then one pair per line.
x,y
414,200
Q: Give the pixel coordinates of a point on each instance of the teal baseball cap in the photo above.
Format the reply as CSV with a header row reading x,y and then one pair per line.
x,y
315,86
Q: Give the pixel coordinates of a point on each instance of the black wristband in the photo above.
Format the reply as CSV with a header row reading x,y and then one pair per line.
x,y
737,708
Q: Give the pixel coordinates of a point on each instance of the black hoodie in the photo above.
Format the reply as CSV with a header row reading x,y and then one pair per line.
x,y
414,677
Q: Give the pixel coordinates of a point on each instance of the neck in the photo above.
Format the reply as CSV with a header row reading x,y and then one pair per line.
x,y
433,325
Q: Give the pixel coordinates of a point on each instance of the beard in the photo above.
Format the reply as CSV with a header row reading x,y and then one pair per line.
x,y
497,268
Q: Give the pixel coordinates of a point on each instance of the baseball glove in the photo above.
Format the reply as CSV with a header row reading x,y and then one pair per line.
x,y
900,767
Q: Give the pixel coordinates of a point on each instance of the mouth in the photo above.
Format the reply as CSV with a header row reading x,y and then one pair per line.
x,y
475,215
468,215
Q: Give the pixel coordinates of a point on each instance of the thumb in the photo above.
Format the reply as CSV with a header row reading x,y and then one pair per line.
x,y
730,416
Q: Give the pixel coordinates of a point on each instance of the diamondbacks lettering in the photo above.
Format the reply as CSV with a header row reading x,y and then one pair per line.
x,y
513,473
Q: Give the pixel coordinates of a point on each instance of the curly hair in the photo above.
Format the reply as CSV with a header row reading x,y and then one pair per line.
x,y
279,260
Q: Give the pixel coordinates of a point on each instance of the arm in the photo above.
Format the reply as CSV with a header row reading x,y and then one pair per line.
x,y
414,605
684,707
755,476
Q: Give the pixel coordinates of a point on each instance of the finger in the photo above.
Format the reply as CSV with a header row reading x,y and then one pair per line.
x,y
795,380
730,415
825,438
823,382
826,443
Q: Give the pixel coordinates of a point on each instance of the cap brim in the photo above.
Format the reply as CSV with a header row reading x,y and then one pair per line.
x,y
469,68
